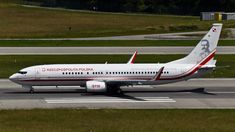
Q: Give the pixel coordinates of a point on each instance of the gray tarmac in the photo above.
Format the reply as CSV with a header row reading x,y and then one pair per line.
x,y
166,36
104,50
195,93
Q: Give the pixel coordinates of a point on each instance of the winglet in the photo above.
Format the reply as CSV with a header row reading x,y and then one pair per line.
x,y
158,74
131,61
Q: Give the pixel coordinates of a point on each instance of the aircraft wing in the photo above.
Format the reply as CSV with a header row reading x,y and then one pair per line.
x,y
124,83
133,82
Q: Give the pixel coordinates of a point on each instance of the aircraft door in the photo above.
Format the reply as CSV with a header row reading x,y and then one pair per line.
x,y
38,72
174,71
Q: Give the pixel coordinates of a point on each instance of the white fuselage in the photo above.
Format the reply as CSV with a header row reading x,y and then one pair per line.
x,y
79,74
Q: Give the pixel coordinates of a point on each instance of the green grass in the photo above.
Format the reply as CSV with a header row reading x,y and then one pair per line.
x,y
109,120
11,64
24,22
109,43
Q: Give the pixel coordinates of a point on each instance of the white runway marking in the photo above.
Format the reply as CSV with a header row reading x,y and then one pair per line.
x,y
109,100
223,92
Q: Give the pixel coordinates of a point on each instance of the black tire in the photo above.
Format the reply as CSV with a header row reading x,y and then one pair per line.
x,y
31,91
114,90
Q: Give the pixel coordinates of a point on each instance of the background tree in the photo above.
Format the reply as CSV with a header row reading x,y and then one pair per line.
x,y
179,7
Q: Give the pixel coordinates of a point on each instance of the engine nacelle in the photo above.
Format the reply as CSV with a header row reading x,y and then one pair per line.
x,y
96,86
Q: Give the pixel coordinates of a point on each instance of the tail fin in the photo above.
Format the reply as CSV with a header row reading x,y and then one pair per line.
x,y
204,49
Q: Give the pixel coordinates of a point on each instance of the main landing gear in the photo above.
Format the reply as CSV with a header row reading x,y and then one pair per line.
x,y
31,90
115,90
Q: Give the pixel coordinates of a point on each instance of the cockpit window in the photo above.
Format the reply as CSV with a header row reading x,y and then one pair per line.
x,y
22,72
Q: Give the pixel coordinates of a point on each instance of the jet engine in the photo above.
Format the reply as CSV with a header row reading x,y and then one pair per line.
x,y
96,86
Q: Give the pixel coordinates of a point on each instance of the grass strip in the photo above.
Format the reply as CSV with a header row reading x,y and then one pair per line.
x,y
10,64
47,23
106,120
100,43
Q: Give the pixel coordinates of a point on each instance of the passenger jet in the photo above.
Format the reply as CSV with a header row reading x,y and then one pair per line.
x,y
110,77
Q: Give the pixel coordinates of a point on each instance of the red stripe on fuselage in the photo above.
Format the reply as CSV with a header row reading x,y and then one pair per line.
x,y
193,69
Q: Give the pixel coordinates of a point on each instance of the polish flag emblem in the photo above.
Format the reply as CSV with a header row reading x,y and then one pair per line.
x,y
214,29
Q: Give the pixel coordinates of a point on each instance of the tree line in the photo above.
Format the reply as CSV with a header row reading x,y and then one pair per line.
x,y
177,7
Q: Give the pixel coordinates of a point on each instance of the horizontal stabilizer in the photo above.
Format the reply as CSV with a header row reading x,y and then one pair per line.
x,y
210,64
158,74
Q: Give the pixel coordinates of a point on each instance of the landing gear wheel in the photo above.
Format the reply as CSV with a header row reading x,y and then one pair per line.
x,y
115,91
119,91
31,91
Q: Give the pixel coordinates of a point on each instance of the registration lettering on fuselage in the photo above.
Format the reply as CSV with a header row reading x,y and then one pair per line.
x,y
66,69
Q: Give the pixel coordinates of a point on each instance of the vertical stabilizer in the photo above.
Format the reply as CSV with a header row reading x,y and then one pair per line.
x,y
205,48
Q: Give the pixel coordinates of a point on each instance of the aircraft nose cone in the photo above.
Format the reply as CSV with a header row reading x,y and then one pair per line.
x,y
13,77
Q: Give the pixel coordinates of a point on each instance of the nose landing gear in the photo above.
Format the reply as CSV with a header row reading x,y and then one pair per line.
x,y
31,89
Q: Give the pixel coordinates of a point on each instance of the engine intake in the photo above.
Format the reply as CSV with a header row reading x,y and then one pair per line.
x,y
96,86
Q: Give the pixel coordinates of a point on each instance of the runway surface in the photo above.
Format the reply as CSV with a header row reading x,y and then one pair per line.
x,y
166,36
196,93
104,50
